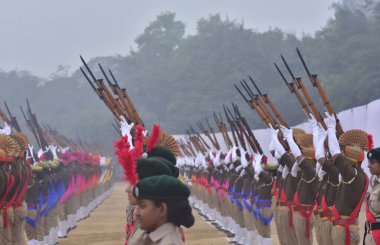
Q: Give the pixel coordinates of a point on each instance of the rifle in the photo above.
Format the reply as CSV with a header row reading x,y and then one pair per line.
x,y
259,106
4,117
13,120
243,130
268,101
195,143
223,130
217,146
293,90
300,85
203,143
255,143
252,104
116,90
237,136
34,123
129,101
205,132
99,92
265,116
317,84
107,94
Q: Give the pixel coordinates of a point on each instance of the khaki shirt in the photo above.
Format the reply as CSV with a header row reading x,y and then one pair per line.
x,y
166,234
374,199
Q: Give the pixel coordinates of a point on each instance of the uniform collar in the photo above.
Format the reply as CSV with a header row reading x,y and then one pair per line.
x,y
161,232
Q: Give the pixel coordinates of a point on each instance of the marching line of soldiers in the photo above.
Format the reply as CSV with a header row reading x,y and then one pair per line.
x,y
304,190
316,184
43,195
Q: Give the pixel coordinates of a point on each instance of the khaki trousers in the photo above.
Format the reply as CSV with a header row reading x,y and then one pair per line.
x,y
300,228
264,230
289,232
279,227
31,232
18,230
339,235
323,229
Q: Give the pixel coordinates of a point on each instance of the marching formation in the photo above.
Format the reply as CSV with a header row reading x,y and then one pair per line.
x,y
45,193
316,183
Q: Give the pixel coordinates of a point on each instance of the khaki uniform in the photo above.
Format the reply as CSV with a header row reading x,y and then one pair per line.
x,y
374,208
166,234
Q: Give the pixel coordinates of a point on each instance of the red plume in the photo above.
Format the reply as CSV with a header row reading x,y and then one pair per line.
x,y
154,137
370,142
126,160
139,140
122,143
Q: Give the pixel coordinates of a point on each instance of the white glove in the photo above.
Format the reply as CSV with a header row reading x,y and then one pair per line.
x,y
6,129
145,132
320,149
243,160
318,167
314,129
280,168
257,164
276,155
288,134
331,132
295,169
233,154
227,158
238,168
242,172
216,160
125,128
40,153
285,171
277,145
330,121
321,173
53,149
271,146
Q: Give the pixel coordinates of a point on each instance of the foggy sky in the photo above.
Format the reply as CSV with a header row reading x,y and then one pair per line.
x,y
39,35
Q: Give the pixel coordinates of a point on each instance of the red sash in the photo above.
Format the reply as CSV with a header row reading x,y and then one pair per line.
x,y
354,213
304,213
289,205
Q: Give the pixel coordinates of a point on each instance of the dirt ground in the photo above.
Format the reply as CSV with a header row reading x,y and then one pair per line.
x,y
105,226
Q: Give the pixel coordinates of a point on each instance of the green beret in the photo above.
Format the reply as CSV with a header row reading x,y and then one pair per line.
x,y
172,167
147,167
374,154
161,187
160,151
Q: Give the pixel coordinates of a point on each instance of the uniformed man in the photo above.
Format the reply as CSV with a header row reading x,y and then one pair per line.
x,y
354,181
372,225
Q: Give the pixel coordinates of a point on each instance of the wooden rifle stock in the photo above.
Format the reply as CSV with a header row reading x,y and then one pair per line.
x,y
4,117
309,100
275,111
326,102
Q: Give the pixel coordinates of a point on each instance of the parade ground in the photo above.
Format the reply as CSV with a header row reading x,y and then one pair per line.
x,y
106,225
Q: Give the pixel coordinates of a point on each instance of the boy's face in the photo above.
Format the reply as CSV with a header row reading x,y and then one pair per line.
x,y
150,216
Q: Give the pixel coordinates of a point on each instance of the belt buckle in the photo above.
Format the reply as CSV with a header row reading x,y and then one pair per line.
x,y
369,226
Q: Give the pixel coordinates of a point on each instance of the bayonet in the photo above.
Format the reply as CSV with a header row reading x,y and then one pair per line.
x,y
303,62
113,77
242,95
88,69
